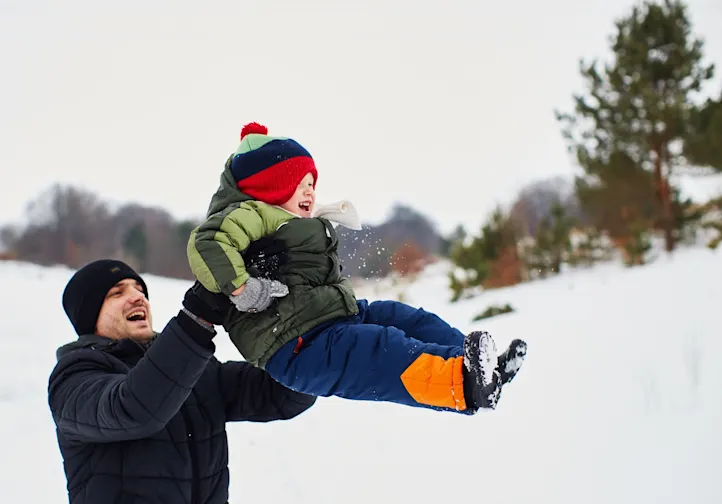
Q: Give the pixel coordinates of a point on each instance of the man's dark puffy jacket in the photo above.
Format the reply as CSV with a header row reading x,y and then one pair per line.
x,y
137,425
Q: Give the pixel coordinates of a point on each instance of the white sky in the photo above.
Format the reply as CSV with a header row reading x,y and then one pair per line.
x,y
446,105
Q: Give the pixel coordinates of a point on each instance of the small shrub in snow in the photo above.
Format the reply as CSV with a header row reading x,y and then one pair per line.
x,y
493,311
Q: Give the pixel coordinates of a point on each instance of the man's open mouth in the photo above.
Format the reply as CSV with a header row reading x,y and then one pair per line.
x,y
136,316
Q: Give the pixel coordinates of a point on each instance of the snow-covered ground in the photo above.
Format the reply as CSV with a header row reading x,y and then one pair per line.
x,y
699,188
619,401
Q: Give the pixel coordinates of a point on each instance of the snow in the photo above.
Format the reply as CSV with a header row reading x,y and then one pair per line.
x,y
618,400
699,188
489,357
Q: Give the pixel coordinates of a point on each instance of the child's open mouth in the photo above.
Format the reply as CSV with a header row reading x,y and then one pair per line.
x,y
305,206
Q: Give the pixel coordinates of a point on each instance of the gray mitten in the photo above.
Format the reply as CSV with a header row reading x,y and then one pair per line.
x,y
257,295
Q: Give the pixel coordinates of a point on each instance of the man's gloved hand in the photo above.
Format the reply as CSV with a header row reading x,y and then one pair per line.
x,y
203,303
257,294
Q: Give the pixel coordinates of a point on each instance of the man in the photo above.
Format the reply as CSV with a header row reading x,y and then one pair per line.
x,y
141,416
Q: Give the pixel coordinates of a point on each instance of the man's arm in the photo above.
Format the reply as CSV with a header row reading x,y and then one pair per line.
x,y
91,402
251,395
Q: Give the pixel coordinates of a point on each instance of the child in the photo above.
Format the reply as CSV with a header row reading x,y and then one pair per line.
x,y
297,316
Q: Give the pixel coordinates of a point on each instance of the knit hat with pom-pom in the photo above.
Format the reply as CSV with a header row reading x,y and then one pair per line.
x,y
268,168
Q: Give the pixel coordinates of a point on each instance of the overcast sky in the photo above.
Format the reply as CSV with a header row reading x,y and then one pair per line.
x,y
446,105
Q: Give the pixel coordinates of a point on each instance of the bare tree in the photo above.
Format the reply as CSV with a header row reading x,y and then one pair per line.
x,y
63,226
535,202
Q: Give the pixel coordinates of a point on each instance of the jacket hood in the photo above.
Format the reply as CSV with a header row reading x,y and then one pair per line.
x,y
227,192
83,341
94,341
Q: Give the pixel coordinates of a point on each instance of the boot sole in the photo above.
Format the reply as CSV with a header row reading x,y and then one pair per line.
x,y
481,360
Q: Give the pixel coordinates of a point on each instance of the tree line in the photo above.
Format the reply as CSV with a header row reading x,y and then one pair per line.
x,y
71,226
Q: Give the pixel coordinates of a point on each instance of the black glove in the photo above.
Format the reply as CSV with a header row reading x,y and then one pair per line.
x,y
205,304
265,257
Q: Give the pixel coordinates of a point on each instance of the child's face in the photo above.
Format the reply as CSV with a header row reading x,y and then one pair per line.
x,y
301,203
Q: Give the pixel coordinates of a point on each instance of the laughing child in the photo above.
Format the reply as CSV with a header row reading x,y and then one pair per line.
x,y
266,246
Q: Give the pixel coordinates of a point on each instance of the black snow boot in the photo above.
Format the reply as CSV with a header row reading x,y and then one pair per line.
x,y
511,360
482,381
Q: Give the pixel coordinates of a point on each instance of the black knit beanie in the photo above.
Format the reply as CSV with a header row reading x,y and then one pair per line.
x,y
84,295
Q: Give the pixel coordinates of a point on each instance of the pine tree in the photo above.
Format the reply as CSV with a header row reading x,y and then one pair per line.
x,y
468,257
712,221
447,242
716,226
561,225
637,245
537,255
552,243
704,147
590,249
488,260
639,108
620,196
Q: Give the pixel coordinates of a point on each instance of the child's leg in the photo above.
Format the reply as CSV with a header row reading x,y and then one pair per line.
x,y
373,363
415,322
430,328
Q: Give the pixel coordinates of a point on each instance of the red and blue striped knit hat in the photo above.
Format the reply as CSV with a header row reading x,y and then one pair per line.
x,y
267,168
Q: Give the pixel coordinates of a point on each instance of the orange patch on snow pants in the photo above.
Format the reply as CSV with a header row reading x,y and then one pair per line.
x,y
435,381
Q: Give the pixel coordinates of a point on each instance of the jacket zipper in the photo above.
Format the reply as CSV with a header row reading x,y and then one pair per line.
x,y
192,448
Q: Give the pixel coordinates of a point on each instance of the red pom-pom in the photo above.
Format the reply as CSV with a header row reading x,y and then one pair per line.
x,y
254,128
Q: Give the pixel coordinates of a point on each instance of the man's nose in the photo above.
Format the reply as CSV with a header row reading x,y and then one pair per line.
x,y
136,296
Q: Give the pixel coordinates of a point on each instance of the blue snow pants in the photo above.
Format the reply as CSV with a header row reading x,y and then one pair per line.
x,y
389,352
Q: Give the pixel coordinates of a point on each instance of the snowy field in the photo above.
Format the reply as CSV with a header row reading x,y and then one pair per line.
x,y
619,401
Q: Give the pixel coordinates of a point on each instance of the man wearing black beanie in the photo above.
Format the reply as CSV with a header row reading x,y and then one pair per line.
x,y
140,416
